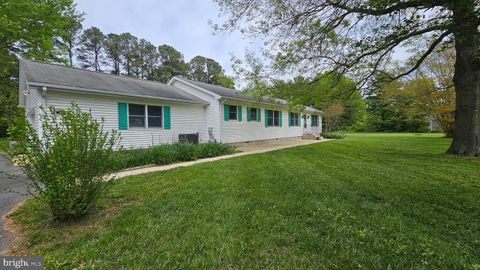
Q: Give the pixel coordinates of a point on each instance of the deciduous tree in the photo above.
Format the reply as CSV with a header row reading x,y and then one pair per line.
x,y
29,29
358,36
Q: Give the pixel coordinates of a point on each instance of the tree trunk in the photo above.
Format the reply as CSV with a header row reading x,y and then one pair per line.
x,y
466,133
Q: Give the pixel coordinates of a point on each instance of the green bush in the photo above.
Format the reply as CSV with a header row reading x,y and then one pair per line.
x,y
17,130
186,151
170,153
69,163
333,135
215,149
132,158
164,154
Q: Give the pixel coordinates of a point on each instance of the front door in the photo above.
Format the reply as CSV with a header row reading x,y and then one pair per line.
x,y
305,130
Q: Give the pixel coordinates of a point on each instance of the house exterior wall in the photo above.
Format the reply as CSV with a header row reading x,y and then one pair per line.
x,y
308,128
185,117
33,103
212,111
234,131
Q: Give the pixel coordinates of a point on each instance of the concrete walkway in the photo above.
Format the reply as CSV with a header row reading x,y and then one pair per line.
x,y
13,186
246,149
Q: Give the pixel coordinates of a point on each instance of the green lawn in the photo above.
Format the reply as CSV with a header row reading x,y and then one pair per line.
x,y
373,201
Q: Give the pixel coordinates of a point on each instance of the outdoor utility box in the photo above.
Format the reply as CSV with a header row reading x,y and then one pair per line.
x,y
188,138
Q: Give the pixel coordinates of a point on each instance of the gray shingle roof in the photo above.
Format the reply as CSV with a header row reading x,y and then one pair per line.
x,y
227,92
236,94
57,75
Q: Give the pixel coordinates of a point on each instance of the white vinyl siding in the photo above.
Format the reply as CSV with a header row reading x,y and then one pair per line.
x,y
186,118
309,128
243,131
213,112
33,103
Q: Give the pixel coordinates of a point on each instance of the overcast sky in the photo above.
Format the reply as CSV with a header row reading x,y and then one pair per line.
x,y
182,24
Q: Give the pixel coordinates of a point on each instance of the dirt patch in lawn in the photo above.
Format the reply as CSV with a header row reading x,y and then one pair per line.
x,y
14,236
21,235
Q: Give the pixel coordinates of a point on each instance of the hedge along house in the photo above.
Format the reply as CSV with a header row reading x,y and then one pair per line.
x,y
233,117
150,113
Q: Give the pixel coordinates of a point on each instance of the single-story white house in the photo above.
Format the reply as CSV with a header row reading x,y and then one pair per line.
x,y
149,113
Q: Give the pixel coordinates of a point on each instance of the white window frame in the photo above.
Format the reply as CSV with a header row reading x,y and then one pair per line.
x,y
273,118
145,116
148,116
295,119
145,107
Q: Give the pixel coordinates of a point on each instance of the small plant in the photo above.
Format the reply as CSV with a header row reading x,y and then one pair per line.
x,y
164,154
132,158
333,135
215,149
170,153
68,163
186,151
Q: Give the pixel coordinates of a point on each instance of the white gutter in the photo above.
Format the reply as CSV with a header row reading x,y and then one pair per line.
x,y
254,101
108,93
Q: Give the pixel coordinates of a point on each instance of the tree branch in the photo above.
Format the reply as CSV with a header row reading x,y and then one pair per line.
x,y
387,10
424,56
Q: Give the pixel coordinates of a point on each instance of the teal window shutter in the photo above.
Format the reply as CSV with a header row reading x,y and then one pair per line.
x,y
259,114
225,112
298,120
166,117
289,119
249,117
239,113
122,116
280,113
266,118
311,120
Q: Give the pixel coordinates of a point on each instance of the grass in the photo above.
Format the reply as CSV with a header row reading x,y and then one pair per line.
x,y
374,201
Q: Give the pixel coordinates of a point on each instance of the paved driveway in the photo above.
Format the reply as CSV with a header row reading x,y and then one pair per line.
x,y
13,188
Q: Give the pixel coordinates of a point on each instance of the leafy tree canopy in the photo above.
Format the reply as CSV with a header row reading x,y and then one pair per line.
x,y
358,37
34,30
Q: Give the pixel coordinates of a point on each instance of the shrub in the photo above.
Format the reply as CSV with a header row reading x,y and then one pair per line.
x,y
68,164
170,153
132,158
215,149
333,135
164,154
17,130
186,151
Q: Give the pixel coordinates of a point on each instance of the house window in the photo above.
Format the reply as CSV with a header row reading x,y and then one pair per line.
x,y
253,114
232,112
136,115
154,116
294,120
314,120
273,118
